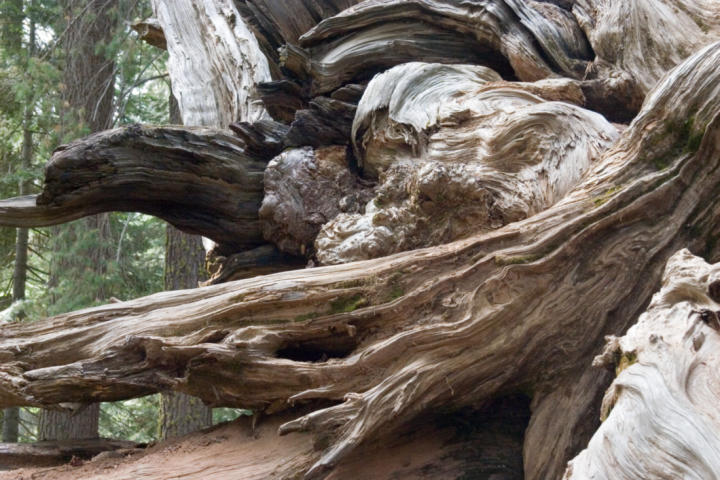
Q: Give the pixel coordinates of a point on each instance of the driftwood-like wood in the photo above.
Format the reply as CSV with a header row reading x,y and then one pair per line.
x,y
660,414
45,454
655,36
276,23
198,179
525,40
520,309
458,151
214,62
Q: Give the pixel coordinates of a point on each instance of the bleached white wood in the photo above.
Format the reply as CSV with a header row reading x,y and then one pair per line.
x,y
662,412
215,61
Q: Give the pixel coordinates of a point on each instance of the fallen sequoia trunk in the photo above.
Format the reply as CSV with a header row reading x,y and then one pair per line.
x,y
15,455
371,346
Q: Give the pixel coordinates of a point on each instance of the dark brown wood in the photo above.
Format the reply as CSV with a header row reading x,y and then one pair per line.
x,y
198,179
150,31
262,260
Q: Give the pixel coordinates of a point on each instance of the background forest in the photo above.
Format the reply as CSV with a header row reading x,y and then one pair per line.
x,y
68,68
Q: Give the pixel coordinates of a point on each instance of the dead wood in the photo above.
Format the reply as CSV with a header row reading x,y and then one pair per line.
x,y
184,175
39,454
521,309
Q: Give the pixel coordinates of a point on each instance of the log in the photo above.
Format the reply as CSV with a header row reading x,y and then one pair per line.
x,y
660,413
180,174
45,454
370,346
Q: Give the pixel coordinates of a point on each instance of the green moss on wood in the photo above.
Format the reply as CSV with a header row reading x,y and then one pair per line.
x,y
501,260
626,360
600,200
307,316
347,304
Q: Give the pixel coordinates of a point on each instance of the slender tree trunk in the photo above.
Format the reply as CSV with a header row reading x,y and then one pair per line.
x,y
181,414
11,421
12,415
11,418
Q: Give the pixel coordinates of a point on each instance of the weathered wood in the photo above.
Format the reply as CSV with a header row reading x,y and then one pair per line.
x,y
200,180
525,40
655,36
327,122
458,151
214,62
262,260
262,139
282,99
39,454
521,309
660,413
150,31
276,23
306,188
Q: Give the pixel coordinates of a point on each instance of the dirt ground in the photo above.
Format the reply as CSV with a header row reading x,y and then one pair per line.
x,y
485,446
226,452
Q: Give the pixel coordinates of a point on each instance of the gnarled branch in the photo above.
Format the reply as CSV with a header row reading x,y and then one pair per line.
x,y
198,179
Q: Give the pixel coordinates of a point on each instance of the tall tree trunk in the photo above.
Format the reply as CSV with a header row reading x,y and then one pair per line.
x,y
184,268
63,425
12,35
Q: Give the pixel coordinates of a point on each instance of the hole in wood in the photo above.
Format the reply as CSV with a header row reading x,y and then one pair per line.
x,y
317,350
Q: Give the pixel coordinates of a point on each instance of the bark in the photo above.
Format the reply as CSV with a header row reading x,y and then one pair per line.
x,y
79,423
10,425
181,414
520,309
45,454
